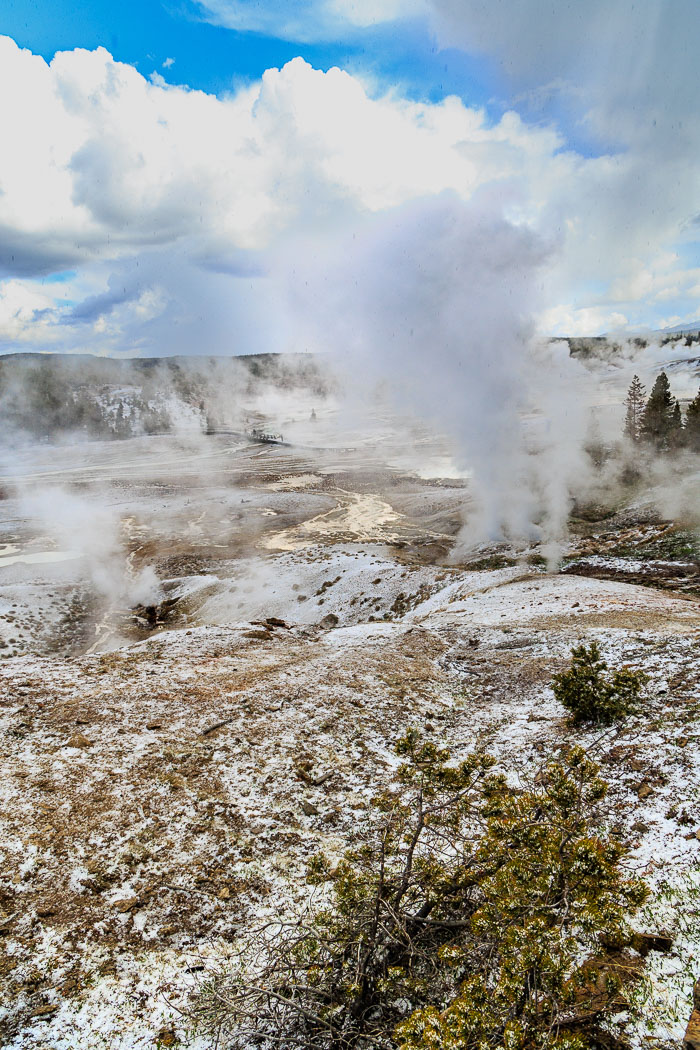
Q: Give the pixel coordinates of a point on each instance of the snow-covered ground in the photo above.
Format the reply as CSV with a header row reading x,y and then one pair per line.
x,y
157,796
175,746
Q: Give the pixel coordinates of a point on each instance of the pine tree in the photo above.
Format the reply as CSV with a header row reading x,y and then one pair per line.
x,y
657,420
676,434
122,427
593,695
692,424
634,403
473,915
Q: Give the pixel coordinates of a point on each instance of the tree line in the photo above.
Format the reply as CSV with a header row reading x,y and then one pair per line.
x,y
46,397
658,421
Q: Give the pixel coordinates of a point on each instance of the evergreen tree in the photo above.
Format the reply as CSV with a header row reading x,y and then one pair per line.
x,y
47,397
657,420
474,916
676,435
593,695
692,424
122,424
634,403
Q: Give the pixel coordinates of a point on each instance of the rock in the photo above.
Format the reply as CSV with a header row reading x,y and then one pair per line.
x,y
224,893
274,621
691,1039
44,1012
644,790
78,740
127,904
693,835
516,643
329,621
308,809
166,1037
652,942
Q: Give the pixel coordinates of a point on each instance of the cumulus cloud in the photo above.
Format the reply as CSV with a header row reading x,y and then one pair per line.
x,y
150,187
97,307
621,77
115,163
618,77
152,191
627,66
24,314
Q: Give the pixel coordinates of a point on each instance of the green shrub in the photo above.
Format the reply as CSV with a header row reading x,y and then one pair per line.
x,y
551,893
474,915
592,695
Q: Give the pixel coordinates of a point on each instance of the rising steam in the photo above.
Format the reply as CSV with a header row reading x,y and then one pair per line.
x,y
436,299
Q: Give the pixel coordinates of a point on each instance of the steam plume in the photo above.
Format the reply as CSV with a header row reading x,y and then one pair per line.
x,y
436,298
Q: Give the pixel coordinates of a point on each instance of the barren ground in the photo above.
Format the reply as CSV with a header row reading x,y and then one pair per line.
x,y
170,766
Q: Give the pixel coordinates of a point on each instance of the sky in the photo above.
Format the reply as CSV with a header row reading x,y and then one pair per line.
x,y
175,175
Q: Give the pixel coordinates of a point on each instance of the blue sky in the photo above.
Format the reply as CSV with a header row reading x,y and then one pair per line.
x,y
146,33
163,188
214,58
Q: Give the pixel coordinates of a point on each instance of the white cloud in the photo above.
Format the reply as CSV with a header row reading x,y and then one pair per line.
x,y
116,162
171,202
568,319
373,12
168,63
308,20
21,310
626,68
620,75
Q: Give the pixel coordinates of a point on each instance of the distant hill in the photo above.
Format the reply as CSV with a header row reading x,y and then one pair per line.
x,y
43,395
682,329
604,347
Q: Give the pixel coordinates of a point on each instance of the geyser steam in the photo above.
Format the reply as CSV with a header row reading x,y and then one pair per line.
x,y
91,527
436,298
